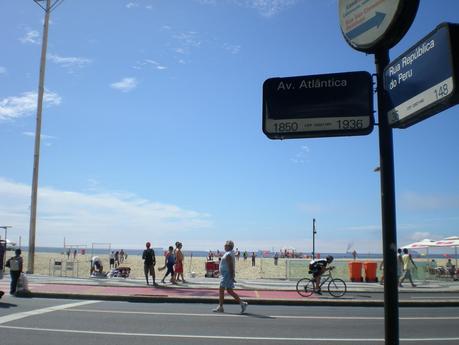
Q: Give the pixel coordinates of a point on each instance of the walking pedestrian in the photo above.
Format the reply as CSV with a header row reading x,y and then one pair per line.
x,y
15,263
381,268
253,259
227,279
169,264
178,268
399,263
408,265
149,263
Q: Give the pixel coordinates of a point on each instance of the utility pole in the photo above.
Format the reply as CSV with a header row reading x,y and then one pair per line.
x,y
314,232
36,158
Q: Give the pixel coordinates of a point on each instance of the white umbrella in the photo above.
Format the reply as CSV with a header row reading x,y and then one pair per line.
x,y
452,241
425,243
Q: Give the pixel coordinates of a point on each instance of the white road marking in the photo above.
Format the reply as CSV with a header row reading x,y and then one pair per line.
x,y
192,336
436,297
18,316
308,317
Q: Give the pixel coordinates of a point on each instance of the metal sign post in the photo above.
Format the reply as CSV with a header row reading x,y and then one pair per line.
x,y
374,26
389,225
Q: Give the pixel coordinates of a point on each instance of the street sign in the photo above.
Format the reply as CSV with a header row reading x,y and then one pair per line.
x,y
323,105
369,25
423,81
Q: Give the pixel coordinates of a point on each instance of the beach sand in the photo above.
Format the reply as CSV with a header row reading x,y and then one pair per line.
x,y
264,269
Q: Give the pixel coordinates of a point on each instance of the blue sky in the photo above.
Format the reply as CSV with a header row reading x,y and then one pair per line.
x,y
152,130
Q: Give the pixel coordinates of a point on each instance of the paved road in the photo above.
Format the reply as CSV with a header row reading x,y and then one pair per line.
x,y
74,322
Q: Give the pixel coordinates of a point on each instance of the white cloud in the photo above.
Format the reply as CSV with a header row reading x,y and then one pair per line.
x,y
69,62
416,202
267,8
42,136
2,70
132,5
364,228
124,220
31,37
311,208
420,235
150,62
25,104
301,156
232,48
125,85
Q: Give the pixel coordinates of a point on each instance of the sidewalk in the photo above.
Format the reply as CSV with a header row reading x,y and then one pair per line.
x,y
205,290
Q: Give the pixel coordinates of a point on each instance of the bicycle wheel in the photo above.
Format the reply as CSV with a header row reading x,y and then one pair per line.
x,y
305,287
337,287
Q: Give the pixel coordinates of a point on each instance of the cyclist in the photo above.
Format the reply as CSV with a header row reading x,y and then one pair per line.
x,y
317,268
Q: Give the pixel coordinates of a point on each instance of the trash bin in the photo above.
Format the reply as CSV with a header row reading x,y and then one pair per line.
x,y
370,271
355,271
211,269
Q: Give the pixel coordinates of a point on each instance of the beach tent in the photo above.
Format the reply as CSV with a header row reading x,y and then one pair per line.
x,y
452,241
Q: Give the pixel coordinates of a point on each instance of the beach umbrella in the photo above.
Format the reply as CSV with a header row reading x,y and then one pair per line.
x,y
452,241
425,243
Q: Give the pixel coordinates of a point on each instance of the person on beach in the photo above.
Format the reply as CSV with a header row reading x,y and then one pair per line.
x,y
15,264
112,259
121,256
451,269
227,279
169,264
178,268
354,254
149,263
117,259
96,265
408,265
253,259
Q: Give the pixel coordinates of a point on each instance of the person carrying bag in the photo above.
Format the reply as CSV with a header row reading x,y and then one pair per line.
x,y
15,264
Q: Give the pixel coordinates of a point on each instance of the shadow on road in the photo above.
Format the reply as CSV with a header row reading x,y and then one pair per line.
x,y
7,305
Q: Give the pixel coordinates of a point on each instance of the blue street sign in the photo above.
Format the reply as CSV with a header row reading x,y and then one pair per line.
x,y
423,81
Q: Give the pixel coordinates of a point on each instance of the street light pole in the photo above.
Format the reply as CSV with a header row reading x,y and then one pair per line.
x,y
36,158
314,232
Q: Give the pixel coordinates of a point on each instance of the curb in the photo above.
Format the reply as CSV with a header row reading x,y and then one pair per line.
x,y
252,301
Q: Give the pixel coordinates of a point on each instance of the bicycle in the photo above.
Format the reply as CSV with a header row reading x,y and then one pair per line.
x,y
336,286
